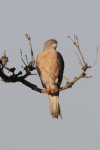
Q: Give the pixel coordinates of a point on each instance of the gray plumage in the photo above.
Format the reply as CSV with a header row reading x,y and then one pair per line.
x,y
49,44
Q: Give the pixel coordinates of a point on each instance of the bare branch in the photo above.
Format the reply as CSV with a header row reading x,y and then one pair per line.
x,y
30,47
67,81
30,67
22,58
4,59
77,45
96,58
79,59
26,58
87,77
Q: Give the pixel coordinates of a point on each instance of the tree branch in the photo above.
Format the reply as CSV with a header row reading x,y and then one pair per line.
x,y
30,67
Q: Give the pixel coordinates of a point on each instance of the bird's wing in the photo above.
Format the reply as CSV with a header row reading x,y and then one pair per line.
x,y
61,68
39,72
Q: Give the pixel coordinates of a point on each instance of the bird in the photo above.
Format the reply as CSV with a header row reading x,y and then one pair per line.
x,y
50,68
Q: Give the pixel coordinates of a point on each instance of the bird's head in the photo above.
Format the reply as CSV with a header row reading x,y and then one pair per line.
x,y
50,44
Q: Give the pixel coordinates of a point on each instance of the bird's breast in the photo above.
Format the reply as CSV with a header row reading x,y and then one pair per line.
x,y
48,64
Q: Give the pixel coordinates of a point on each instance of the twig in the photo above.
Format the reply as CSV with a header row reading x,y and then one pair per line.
x,y
75,37
22,58
66,79
26,58
30,47
79,59
96,58
23,61
87,77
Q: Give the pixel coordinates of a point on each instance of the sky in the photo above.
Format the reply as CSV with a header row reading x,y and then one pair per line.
x,y
25,120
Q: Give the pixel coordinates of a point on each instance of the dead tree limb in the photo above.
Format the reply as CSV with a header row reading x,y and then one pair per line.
x,y
30,67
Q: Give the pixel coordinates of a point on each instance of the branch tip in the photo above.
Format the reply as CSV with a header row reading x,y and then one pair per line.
x,y
77,45
26,36
68,36
96,57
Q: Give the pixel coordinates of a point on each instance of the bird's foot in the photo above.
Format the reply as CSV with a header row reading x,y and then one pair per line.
x,y
50,91
53,90
47,90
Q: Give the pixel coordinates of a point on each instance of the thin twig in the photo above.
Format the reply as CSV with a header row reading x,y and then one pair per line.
x,y
67,80
22,67
30,47
21,52
23,61
22,58
96,58
26,58
77,47
87,77
79,59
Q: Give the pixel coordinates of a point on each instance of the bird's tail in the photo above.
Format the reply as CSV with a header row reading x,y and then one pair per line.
x,y
54,106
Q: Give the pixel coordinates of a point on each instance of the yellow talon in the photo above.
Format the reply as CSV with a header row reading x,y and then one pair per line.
x,y
53,90
48,90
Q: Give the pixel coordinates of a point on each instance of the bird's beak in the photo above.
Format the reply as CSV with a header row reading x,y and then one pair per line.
x,y
55,45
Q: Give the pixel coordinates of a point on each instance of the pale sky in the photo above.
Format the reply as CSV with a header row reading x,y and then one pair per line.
x,y
25,120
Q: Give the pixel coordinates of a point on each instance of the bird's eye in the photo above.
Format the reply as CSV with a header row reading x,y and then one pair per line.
x,y
51,43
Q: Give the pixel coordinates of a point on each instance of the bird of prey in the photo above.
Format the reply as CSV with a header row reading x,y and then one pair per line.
x,y
50,67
